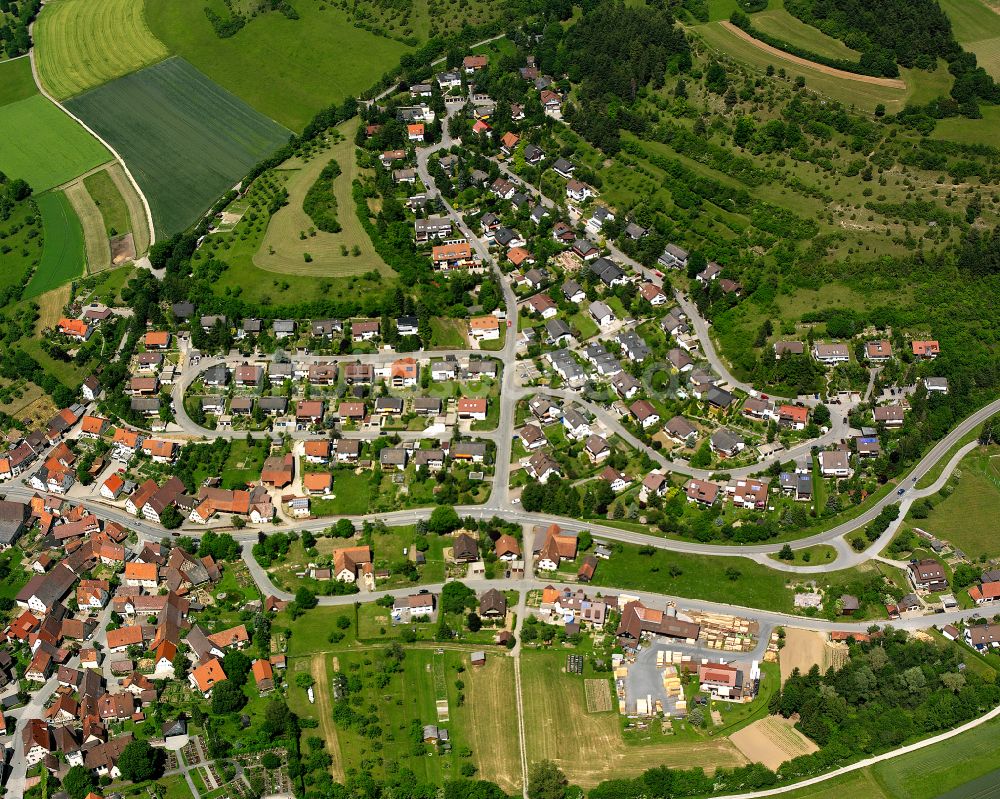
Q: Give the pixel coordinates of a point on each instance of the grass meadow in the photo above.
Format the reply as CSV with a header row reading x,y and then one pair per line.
x,y
283,249
25,245
186,139
63,252
777,22
44,146
977,29
16,82
286,69
104,191
967,517
81,44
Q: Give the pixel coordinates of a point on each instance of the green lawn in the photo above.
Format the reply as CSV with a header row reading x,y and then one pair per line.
x,y
817,555
967,518
185,138
286,69
16,82
44,146
309,631
243,465
448,333
352,492
62,253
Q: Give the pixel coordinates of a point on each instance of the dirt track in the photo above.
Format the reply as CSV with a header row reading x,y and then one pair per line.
x,y
892,83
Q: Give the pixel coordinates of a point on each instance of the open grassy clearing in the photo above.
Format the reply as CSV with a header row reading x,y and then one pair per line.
x,y
16,82
186,139
920,86
977,29
812,556
776,21
104,191
44,146
95,237
286,69
967,518
63,252
136,210
968,131
81,44
589,747
283,249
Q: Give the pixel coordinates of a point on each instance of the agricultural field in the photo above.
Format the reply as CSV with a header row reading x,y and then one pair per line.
x,y
63,253
103,189
589,747
94,235
16,82
924,774
186,139
80,44
308,75
291,235
977,29
966,515
772,740
44,146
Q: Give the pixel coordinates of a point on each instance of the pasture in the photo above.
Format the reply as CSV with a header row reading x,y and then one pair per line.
x,y
63,251
589,747
286,69
283,249
44,146
977,29
80,44
16,82
185,139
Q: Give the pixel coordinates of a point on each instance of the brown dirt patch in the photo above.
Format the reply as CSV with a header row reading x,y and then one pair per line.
x,y
122,249
324,712
772,741
802,650
892,83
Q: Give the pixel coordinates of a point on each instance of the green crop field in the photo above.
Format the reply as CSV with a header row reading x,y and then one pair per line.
x,y
62,252
776,21
16,82
185,139
283,249
80,44
44,146
977,29
286,69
